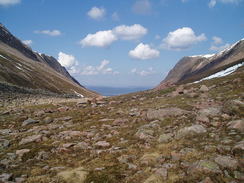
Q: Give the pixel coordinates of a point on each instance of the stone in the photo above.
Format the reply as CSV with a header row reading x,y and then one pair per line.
x,y
162,172
144,134
165,112
233,107
48,120
102,144
202,118
81,146
69,134
226,162
5,131
29,121
191,131
120,121
238,148
206,180
150,159
204,166
165,138
210,111
4,143
20,153
77,175
5,177
203,88
239,175
33,138
237,124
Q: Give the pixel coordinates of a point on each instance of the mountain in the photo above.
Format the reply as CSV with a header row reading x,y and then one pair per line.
x,y
194,68
22,66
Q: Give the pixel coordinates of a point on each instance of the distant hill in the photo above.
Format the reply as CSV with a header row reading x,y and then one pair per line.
x,y
22,66
194,68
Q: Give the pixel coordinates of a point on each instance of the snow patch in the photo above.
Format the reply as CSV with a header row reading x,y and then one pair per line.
x,y
19,67
205,56
78,94
222,73
4,57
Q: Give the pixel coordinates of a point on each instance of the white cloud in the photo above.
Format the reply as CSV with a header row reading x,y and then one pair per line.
x,y
115,16
100,69
99,39
69,62
217,44
144,52
212,3
217,40
48,32
96,13
219,48
132,32
142,7
147,72
107,37
27,42
181,39
9,2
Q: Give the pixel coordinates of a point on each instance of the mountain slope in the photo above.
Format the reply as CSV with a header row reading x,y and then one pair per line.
x,y
23,67
194,68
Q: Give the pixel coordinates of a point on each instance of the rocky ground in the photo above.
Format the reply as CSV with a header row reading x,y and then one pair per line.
x,y
189,133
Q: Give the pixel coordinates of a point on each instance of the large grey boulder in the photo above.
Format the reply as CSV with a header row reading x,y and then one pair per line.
x,y
191,131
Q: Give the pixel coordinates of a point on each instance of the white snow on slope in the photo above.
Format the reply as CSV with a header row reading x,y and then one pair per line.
x,y
222,73
4,57
205,56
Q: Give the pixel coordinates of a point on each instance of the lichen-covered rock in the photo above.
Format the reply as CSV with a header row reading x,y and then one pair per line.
x,y
165,138
77,175
237,124
234,107
162,113
33,138
29,121
204,166
226,162
191,131
150,158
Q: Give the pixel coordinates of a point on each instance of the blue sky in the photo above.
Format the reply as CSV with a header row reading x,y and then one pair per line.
x,y
123,42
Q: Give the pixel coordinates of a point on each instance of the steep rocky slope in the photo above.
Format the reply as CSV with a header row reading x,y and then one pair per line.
x,y
189,133
23,67
194,68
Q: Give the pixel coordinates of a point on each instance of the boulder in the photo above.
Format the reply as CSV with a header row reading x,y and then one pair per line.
x,y
204,166
29,121
226,162
237,124
77,175
203,88
165,138
165,112
191,131
33,138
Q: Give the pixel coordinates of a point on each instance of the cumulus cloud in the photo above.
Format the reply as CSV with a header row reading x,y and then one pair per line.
x,y
144,52
48,32
146,72
217,40
181,39
219,48
212,3
132,32
107,37
99,39
100,69
27,42
9,2
96,13
142,7
218,44
68,61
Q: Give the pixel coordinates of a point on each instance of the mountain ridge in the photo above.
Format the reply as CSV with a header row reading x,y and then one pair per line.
x,y
193,68
24,67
